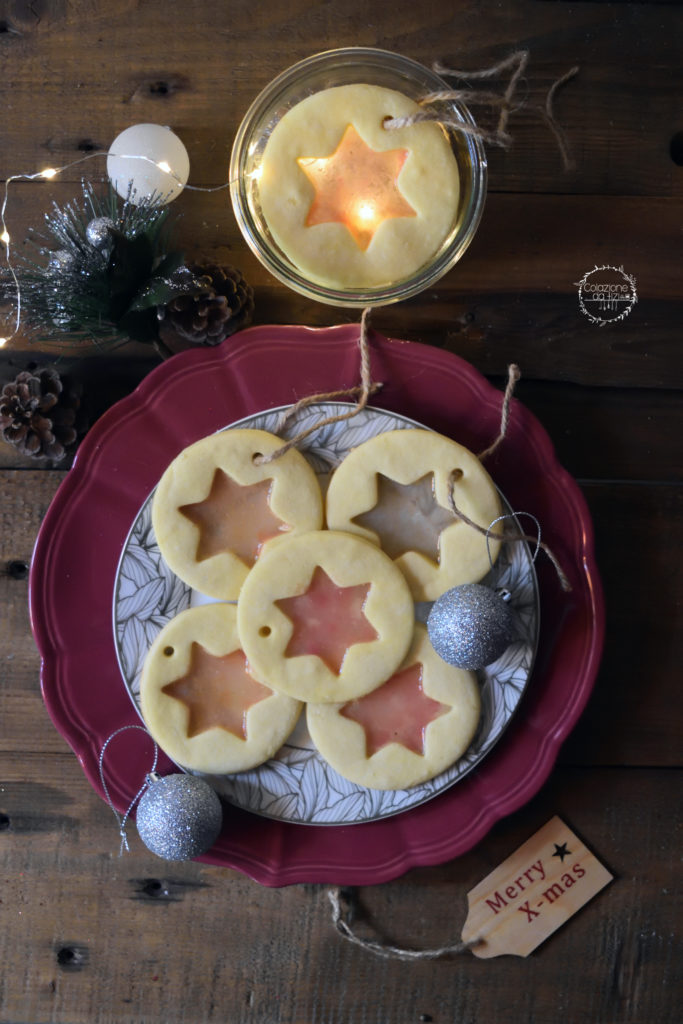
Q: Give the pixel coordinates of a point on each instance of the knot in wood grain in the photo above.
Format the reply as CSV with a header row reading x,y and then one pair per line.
x,y
17,569
72,957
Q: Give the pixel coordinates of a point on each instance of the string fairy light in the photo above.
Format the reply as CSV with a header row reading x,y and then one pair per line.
x,y
48,174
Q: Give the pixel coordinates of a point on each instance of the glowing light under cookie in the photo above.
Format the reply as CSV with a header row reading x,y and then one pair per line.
x,y
327,620
356,186
399,711
217,691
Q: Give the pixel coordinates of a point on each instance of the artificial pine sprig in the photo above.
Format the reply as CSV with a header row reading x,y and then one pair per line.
x,y
97,261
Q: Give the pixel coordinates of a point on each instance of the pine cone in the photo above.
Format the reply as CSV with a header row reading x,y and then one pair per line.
x,y
222,304
38,414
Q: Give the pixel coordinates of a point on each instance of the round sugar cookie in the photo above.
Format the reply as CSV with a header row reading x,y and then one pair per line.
x,y
324,616
215,509
393,490
200,703
351,204
406,731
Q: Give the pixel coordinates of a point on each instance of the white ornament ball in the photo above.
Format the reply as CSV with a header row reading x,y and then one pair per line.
x,y
151,160
179,816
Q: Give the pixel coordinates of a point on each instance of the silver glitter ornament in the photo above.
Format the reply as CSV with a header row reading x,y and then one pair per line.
x,y
470,626
179,816
99,232
61,261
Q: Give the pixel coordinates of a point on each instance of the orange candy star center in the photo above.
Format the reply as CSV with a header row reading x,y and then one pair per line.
x,y
234,517
327,620
356,186
217,691
399,711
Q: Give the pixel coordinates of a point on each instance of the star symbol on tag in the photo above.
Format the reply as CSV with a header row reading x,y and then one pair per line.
x,y
234,517
356,186
217,692
407,517
399,711
561,851
327,620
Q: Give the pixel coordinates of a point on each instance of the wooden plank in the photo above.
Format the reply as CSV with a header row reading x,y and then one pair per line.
x,y
95,938
598,433
513,297
638,547
119,69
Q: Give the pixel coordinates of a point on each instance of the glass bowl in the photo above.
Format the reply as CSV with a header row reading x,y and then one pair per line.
x,y
354,65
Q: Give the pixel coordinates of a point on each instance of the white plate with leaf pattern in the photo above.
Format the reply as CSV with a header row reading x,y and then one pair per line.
x,y
297,785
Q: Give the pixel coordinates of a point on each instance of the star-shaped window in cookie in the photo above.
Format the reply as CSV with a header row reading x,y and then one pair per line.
x,y
327,620
399,711
356,186
217,691
407,517
234,517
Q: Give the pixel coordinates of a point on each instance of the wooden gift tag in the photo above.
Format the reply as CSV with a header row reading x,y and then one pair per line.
x,y
532,893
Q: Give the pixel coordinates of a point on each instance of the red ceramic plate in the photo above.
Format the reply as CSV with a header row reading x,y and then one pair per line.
x,y
195,393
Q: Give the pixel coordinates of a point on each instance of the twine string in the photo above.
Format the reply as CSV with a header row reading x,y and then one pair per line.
x,y
383,949
488,532
366,388
121,821
433,109
552,122
514,375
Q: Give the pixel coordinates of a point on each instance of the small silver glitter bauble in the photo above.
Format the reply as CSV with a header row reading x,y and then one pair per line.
x,y
61,261
470,626
99,232
179,816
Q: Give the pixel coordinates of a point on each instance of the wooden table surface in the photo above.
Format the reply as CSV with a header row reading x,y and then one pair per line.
x,y
91,937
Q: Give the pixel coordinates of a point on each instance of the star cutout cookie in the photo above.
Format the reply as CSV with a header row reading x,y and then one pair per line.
x,y
234,517
407,517
399,711
327,620
356,186
217,691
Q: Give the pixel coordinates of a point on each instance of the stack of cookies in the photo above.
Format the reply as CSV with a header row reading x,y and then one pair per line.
x,y
315,605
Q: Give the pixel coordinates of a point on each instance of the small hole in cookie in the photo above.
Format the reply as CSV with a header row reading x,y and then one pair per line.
x,y
265,631
456,475
389,117
256,457
168,651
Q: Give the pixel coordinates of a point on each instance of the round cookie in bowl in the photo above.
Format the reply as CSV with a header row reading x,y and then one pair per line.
x,y
325,616
218,506
394,490
201,703
405,732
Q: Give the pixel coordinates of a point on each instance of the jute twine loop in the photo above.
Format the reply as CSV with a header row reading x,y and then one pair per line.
x,y
383,949
434,104
366,388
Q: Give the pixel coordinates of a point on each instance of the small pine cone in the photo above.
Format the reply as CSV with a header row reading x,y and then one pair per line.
x,y
208,316
38,415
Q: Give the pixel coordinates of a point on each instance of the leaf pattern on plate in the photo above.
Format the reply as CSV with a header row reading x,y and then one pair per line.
x,y
297,784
